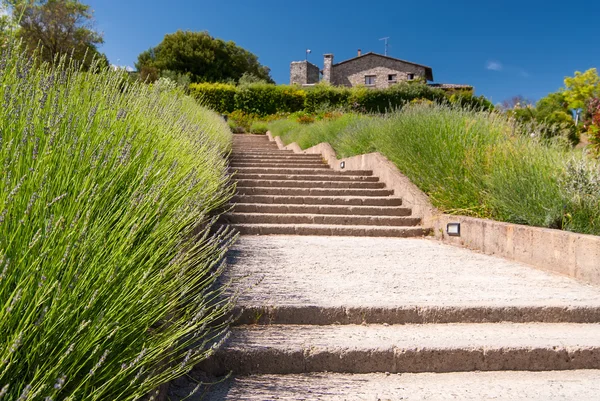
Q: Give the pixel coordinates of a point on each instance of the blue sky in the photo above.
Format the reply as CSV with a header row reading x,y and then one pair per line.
x,y
503,48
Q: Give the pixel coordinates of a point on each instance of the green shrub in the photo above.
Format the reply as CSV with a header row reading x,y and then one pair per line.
x,y
265,99
392,98
259,127
218,97
323,96
107,257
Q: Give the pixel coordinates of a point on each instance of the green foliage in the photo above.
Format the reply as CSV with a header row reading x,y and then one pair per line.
x,y
61,27
324,96
392,98
203,58
259,127
108,259
581,88
241,121
219,97
469,162
265,99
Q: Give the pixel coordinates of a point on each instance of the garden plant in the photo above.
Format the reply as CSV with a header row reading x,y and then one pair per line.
x,y
109,254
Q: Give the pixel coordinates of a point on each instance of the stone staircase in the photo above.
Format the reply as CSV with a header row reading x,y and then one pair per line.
x,y
280,192
343,317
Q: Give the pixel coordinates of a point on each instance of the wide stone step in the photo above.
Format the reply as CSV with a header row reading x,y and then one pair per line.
x,y
310,184
330,230
311,314
245,156
472,386
318,200
271,218
266,152
292,349
306,177
280,165
323,209
345,280
301,171
313,191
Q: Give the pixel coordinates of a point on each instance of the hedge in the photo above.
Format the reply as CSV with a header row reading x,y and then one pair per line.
x,y
266,99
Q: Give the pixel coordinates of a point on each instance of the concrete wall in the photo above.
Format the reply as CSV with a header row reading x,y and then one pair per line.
x,y
353,73
574,255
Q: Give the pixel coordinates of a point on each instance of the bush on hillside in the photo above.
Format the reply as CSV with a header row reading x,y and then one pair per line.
x,y
218,97
108,260
259,127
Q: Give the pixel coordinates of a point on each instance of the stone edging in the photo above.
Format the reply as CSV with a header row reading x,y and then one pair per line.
x,y
571,254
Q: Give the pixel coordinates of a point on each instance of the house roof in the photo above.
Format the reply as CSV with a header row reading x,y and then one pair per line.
x,y
428,70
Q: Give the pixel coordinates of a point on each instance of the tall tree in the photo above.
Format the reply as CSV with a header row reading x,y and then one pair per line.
x,y
201,57
60,27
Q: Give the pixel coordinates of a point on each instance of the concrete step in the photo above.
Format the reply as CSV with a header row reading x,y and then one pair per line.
x,y
345,280
306,177
245,156
318,200
323,209
310,184
466,386
313,191
320,315
292,349
280,165
330,230
325,219
267,152
301,171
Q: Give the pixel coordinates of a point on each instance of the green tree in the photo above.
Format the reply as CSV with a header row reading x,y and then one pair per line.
x,y
581,88
202,58
60,27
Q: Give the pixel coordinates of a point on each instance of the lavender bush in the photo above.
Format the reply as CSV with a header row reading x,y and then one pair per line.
x,y
108,254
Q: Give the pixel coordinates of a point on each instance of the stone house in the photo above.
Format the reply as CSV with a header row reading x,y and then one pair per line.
x,y
370,69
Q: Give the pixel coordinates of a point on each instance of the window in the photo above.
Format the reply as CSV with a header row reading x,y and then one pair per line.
x,y
410,77
392,77
369,80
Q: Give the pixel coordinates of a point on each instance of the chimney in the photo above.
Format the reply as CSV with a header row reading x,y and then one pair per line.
x,y
359,53
327,63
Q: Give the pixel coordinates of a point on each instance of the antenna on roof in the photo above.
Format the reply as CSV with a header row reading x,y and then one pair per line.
x,y
386,44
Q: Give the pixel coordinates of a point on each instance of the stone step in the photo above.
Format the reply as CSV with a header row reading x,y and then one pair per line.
x,y
323,209
292,349
324,219
310,184
245,156
313,191
319,200
345,280
311,314
472,386
305,177
301,171
267,152
330,230
280,165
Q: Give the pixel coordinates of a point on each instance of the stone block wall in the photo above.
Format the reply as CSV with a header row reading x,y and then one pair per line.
x,y
303,73
353,73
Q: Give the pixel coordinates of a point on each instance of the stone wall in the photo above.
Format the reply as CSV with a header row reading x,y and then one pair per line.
x,y
303,73
353,73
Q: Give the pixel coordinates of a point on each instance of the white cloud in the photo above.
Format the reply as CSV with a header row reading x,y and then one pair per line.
x,y
524,73
494,66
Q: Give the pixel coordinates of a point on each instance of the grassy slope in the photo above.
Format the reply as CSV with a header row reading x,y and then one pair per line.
x,y
472,163
102,280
